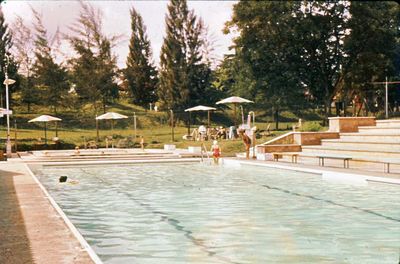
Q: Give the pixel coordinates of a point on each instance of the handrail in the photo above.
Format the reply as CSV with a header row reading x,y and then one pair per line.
x,y
204,148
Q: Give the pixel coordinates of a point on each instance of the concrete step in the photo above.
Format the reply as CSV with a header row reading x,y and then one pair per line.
x,y
362,145
358,137
388,123
379,130
99,157
312,150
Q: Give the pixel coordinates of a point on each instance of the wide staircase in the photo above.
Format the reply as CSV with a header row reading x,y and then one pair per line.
x,y
372,147
369,143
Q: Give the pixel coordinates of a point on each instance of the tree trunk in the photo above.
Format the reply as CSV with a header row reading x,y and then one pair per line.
x,y
359,109
104,105
326,114
276,117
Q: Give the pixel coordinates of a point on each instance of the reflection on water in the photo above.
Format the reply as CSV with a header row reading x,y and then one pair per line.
x,y
192,213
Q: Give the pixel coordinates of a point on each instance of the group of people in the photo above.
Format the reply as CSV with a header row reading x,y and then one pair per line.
x,y
202,133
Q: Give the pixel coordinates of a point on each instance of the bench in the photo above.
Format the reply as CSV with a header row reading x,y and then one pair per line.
x,y
386,163
279,155
346,159
321,159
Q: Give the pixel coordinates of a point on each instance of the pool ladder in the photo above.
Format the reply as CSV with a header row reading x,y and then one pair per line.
x,y
204,150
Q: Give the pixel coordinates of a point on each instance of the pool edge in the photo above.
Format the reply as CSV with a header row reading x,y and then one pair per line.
x,y
367,178
85,245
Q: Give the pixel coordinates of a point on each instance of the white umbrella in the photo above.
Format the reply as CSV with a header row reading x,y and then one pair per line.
x,y
112,116
45,119
234,100
200,108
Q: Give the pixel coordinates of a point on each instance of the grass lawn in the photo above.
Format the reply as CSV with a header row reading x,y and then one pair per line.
x,y
155,137
78,127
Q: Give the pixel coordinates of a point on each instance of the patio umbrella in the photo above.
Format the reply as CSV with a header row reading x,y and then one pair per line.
x,y
200,108
45,119
4,111
111,116
234,100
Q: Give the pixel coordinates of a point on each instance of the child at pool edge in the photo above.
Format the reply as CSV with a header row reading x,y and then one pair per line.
x,y
216,151
142,143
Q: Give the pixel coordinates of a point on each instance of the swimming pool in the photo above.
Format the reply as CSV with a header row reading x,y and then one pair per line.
x,y
194,213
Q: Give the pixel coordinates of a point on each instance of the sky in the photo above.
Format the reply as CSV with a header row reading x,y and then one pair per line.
x,y
117,20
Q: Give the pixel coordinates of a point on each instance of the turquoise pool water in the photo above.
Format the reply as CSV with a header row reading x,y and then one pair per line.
x,y
194,213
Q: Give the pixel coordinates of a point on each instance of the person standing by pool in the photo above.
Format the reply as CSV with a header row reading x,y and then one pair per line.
x,y
216,151
247,142
142,143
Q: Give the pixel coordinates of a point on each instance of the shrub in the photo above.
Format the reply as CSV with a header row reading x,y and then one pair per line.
x,y
311,126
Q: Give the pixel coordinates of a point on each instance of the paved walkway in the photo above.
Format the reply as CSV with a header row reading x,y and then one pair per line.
x,y
31,230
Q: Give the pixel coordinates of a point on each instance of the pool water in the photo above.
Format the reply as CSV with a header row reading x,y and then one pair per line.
x,y
195,213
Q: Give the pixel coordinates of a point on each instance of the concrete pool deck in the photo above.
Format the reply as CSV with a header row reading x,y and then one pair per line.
x,y
33,231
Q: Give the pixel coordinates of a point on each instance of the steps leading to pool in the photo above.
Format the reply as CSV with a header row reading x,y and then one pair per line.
x,y
95,155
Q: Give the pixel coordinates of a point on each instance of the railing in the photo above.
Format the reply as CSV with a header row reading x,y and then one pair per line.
x,y
204,150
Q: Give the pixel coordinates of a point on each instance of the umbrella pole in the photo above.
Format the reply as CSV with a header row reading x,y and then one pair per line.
x,y
189,124
45,133
56,129
134,127
97,130
15,135
112,133
208,118
241,107
234,114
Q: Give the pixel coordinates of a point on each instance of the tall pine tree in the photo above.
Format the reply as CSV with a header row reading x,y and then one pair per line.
x,y
140,71
5,46
23,40
49,77
94,68
185,74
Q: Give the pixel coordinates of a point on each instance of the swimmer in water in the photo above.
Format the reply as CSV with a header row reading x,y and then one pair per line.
x,y
64,179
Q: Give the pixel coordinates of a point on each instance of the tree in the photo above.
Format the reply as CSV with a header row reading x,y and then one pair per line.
x,y
24,55
185,75
314,48
320,33
371,47
140,71
265,53
94,68
49,77
6,42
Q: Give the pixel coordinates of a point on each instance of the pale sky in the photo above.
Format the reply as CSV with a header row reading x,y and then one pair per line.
x,y
117,20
